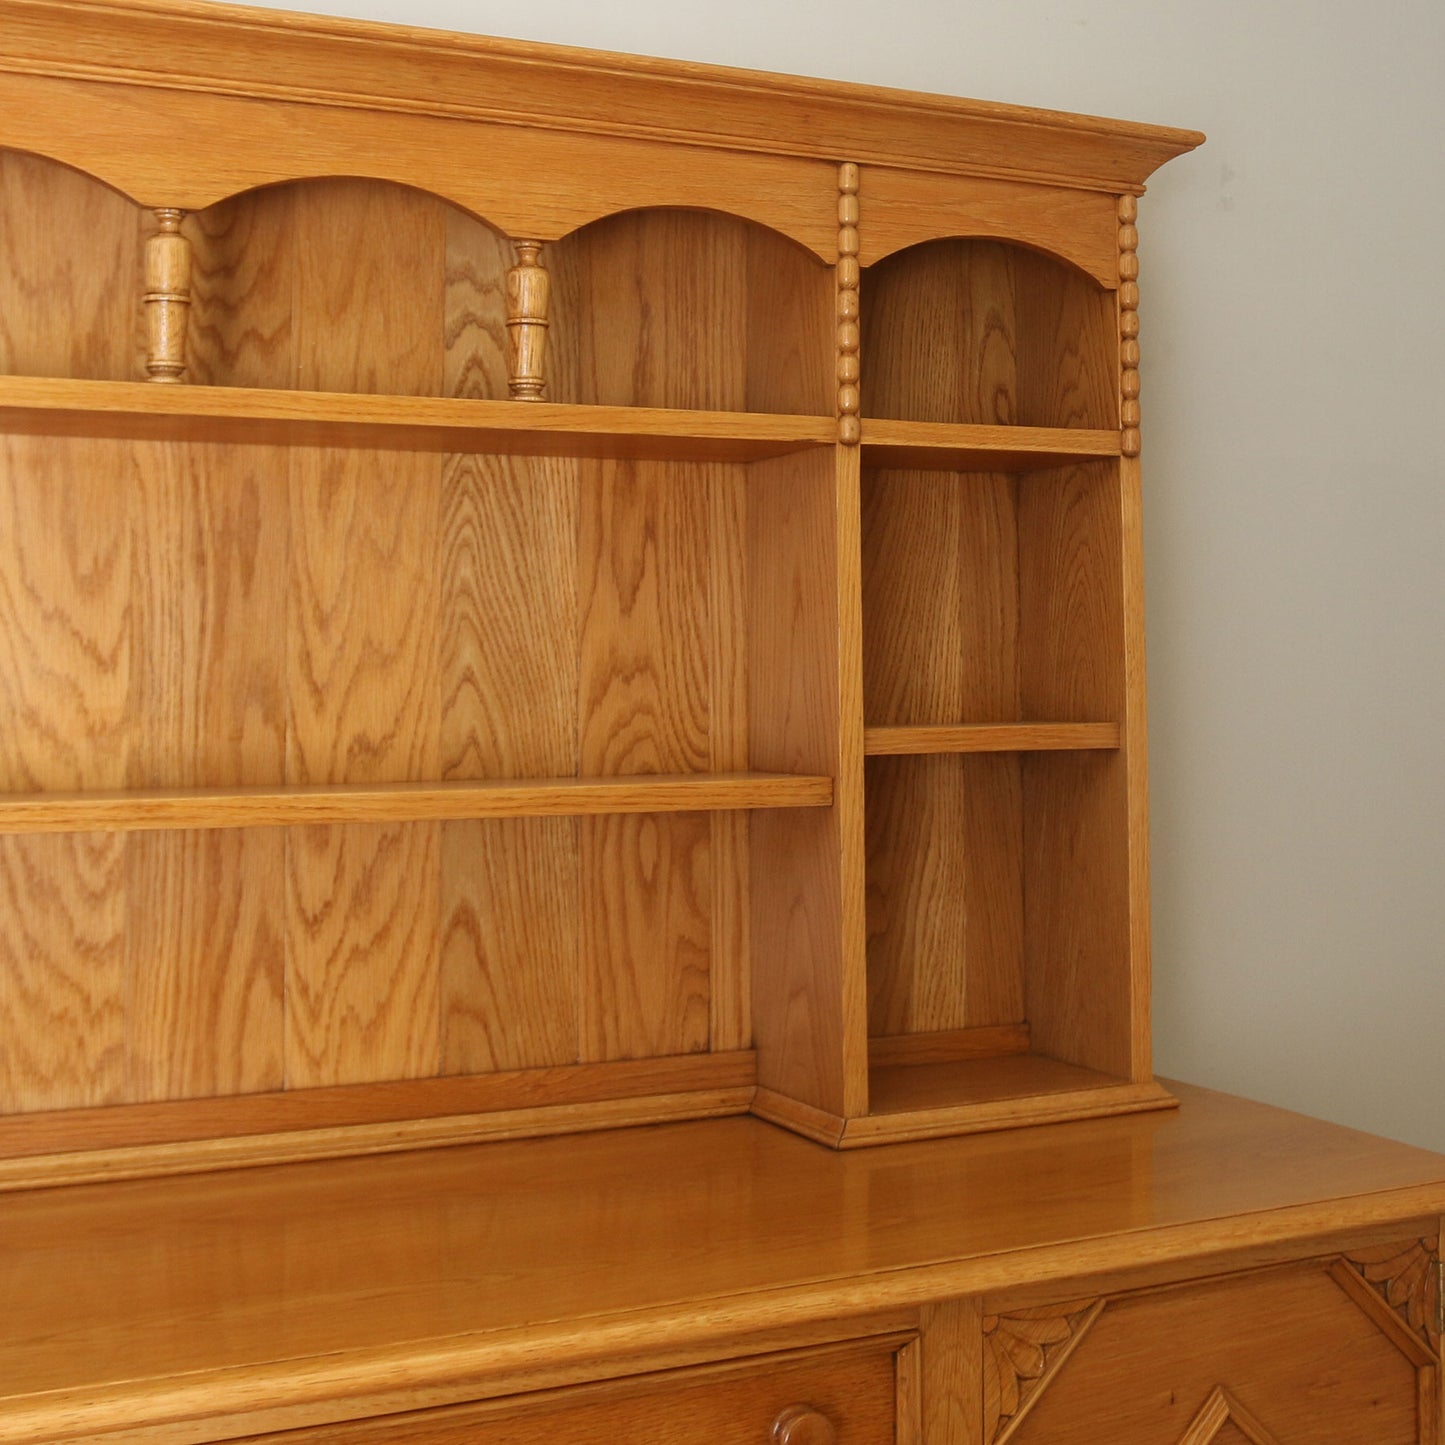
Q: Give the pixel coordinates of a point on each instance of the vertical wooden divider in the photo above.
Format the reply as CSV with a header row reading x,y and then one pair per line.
x,y
809,980
528,291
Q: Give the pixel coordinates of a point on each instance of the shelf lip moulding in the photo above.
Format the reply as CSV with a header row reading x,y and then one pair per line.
x,y
260,807
139,411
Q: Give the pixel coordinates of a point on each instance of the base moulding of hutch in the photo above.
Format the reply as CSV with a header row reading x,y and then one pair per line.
x,y
553,594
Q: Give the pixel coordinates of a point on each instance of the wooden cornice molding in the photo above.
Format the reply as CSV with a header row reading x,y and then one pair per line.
x,y
182,45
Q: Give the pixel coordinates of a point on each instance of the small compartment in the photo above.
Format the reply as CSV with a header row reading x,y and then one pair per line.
x,y
690,309
999,958
1001,962
985,333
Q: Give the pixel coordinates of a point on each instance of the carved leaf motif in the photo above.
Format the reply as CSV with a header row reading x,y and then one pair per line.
x,y
1408,1280
1018,1350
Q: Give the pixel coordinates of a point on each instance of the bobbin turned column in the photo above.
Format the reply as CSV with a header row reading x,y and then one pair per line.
x,y
167,297
850,426
1129,325
529,289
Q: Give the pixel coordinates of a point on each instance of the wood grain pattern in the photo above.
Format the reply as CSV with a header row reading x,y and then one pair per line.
x,y
849,1394
115,1141
945,893
70,273
473,80
205,964
1067,353
141,810
952,1360
210,546
66,624
63,972
644,706
510,980
362,926
252,417
1151,1361
989,738
809,1003
940,599
940,334
382,1251
1022,1353
905,208
986,1041
972,447
475,308
1078,945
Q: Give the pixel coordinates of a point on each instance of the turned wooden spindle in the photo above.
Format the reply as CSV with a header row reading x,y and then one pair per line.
x,y
850,427
528,290
1129,325
167,297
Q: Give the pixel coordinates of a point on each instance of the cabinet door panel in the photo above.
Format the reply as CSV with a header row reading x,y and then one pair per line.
x,y
1307,1353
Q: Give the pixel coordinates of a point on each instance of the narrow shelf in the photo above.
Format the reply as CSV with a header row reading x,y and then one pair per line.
x,y
947,446
264,807
1023,737
144,411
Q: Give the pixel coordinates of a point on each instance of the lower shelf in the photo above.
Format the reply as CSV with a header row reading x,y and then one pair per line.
x,y
261,807
960,1096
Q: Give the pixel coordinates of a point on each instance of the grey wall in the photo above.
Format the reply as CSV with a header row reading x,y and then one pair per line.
x,y
1292,325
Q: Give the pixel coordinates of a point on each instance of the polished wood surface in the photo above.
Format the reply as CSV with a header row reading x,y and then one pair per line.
x,y
358,1281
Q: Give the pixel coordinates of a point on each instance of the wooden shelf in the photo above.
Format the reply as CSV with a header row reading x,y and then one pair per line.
x,y
951,447
142,411
1024,737
929,1100
405,802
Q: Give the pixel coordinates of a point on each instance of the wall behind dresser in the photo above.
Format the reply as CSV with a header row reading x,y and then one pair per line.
x,y
1295,477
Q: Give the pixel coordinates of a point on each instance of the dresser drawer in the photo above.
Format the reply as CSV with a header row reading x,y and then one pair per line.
x,y
1340,1351
836,1396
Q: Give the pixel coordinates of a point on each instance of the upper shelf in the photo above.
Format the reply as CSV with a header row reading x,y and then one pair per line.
x,y
144,411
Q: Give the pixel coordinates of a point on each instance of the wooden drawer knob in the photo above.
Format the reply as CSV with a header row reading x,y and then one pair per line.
x,y
803,1425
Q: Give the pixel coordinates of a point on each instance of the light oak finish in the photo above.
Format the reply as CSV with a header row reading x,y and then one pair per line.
x,y
922,738
405,770
405,802
260,417
352,1288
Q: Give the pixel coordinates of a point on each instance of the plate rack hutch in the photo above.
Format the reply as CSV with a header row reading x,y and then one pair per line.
x,y
541,592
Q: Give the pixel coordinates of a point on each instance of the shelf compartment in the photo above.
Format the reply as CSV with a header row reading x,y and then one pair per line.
x,y
260,807
142,411
960,447
927,1100
1023,737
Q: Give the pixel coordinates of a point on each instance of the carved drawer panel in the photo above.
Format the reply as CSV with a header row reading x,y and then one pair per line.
x,y
1340,1351
844,1395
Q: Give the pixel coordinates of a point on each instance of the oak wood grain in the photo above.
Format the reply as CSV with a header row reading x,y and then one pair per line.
x,y
70,273
806,886
125,1140
1024,737
905,208
236,415
63,972
794,1236
205,964
362,920
1149,1364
